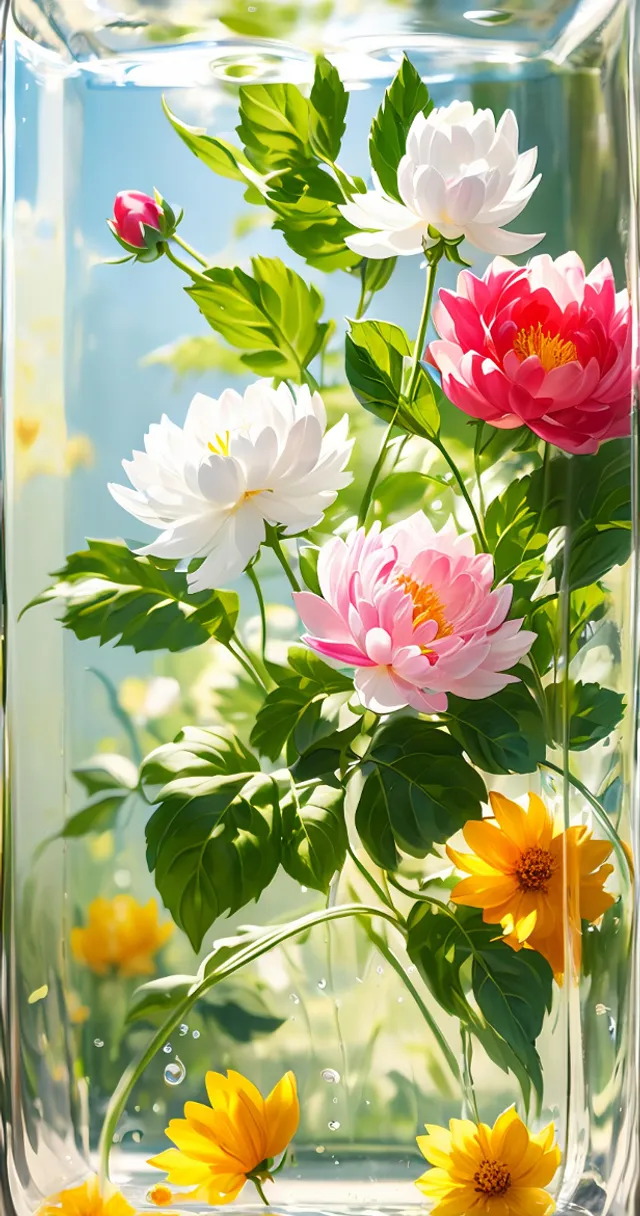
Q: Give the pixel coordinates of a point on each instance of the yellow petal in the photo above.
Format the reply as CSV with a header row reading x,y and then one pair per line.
x,y
282,1111
492,845
539,823
511,818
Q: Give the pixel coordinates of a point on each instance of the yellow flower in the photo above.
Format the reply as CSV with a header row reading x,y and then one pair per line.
x,y
161,1195
88,1200
527,875
236,1138
489,1171
120,934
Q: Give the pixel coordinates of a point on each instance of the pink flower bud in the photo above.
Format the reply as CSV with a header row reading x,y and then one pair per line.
x,y
131,210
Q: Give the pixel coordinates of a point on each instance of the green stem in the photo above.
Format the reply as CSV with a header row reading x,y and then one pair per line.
x,y
248,954
467,1056
193,274
253,578
362,308
432,270
190,250
258,1185
600,813
375,473
239,656
274,543
465,493
371,881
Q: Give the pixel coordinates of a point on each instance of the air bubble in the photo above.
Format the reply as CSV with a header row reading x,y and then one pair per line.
x,y
330,1075
380,970
410,970
320,1148
175,1072
156,1108
167,1049
294,998
322,984
98,1042
195,1034
335,1101
184,1029
333,1125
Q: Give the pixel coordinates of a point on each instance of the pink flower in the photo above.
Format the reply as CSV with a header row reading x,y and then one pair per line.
x,y
414,612
131,211
542,345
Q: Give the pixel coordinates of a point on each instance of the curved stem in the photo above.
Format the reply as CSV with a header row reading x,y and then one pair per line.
x,y
465,494
245,662
600,813
253,578
362,307
467,1056
375,473
382,896
258,1185
248,954
193,274
432,270
274,543
190,250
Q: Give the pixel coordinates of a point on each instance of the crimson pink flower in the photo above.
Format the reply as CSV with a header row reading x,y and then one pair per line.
x,y
413,610
542,345
131,211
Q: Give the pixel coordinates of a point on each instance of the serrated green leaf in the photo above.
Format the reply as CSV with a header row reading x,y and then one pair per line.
x,y
306,706
196,760
419,790
111,594
307,207
272,316
516,531
406,97
375,273
593,713
327,110
503,733
314,834
274,126
375,353
217,154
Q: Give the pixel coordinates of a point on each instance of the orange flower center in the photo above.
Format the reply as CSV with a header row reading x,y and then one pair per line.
x,y
551,349
160,1195
534,869
427,605
492,1178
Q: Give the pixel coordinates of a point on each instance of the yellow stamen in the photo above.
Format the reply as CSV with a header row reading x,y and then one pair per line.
x,y
221,445
427,605
551,349
534,869
492,1178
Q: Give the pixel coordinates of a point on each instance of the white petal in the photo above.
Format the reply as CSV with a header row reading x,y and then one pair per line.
x,y
494,240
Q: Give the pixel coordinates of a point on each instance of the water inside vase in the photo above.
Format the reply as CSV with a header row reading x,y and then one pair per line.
x,y
94,354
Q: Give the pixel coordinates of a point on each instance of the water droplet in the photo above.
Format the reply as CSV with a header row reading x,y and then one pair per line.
x,y
304,892
380,970
167,1049
136,1108
156,1108
320,1148
335,1101
184,1029
98,1042
333,1125
410,970
136,1137
330,1075
195,1034
294,998
611,1027
358,980
401,1000
367,1102
122,879
322,984
175,1072
292,1018
437,504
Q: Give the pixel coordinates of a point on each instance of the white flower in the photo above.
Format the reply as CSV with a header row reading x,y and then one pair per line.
x,y
461,175
237,462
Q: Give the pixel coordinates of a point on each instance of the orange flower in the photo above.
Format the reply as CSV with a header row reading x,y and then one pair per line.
x,y
489,1171
89,1199
220,1147
527,875
122,935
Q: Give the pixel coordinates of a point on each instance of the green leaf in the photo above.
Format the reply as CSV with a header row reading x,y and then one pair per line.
x,y
406,97
308,561
225,159
593,713
198,757
155,1000
375,352
243,1019
195,356
328,108
513,989
108,593
314,834
515,530
375,273
307,207
503,733
274,126
274,316
99,815
419,790
310,703
109,780
107,771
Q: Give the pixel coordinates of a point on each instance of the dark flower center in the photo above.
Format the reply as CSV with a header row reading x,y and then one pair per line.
x,y
492,1178
534,869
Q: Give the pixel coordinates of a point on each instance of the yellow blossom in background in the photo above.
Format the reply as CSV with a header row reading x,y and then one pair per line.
x,y
160,1195
78,1013
120,935
528,876
221,1146
89,1199
489,1171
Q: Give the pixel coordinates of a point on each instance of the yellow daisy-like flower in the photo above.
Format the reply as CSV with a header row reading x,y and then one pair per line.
x,y
489,1171
527,875
236,1138
120,935
89,1199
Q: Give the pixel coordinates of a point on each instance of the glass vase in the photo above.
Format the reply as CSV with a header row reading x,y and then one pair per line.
x,y
320,716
